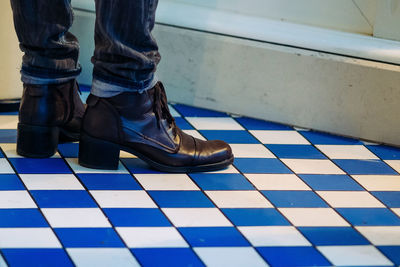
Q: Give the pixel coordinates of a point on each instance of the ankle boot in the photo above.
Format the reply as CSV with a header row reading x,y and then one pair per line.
x,y
141,124
48,115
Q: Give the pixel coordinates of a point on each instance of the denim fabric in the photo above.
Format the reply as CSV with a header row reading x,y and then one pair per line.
x,y
125,57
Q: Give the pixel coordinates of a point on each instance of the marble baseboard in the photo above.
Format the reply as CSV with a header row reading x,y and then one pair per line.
x,y
309,89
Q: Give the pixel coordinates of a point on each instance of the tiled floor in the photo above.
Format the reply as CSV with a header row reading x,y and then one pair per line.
x,y
292,198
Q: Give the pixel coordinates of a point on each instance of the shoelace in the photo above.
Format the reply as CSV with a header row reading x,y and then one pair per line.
x,y
161,109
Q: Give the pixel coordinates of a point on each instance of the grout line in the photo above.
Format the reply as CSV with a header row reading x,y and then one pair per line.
x,y
4,258
363,15
38,208
216,206
160,209
351,225
98,206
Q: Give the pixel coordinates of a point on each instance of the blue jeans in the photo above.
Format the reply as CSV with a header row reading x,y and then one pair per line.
x,y
125,57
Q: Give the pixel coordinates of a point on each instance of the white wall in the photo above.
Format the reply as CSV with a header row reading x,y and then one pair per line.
x,y
10,55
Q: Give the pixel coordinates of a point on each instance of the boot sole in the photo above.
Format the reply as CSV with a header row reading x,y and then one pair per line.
x,y
41,141
95,153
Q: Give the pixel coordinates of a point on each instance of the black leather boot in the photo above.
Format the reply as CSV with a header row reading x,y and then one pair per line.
x,y
141,124
48,115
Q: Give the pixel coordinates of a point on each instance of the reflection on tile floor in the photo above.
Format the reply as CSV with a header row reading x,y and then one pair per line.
x,y
292,198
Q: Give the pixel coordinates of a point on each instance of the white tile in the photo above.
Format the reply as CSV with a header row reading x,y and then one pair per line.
x,y
75,217
214,123
251,151
274,236
312,166
397,211
346,152
395,164
123,199
102,257
301,129
16,200
313,217
173,112
279,137
51,182
28,238
195,134
73,163
9,122
2,262
151,237
166,181
239,199
124,154
193,217
5,167
230,256
354,255
379,182
350,199
264,181
381,235
230,169
10,149
367,143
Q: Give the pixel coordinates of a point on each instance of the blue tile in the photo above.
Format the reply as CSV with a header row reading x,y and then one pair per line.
x,y
69,150
254,124
22,218
318,138
136,165
48,165
183,124
177,257
260,165
181,199
63,199
10,182
230,136
293,256
296,151
333,236
291,199
1,154
136,217
102,181
5,113
255,217
213,237
84,88
389,198
331,182
392,252
369,216
89,237
8,135
221,181
43,257
372,166
189,111
385,152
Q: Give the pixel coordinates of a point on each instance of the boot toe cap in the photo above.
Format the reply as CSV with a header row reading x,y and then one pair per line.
x,y
214,151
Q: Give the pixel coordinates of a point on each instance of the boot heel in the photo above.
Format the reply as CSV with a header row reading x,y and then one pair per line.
x,y
37,141
98,154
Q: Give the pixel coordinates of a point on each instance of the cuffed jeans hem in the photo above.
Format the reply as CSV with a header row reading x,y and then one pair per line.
x,y
104,89
34,76
27,79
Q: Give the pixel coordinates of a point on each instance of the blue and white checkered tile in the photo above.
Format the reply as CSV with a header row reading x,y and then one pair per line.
x,y
293,197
